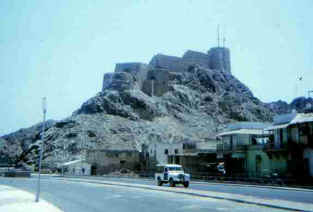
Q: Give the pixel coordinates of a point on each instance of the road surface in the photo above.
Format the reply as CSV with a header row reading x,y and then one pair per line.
x,y
266,193
88,197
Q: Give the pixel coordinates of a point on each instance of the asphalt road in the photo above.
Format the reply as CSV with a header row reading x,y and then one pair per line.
x,y
266,193
88,197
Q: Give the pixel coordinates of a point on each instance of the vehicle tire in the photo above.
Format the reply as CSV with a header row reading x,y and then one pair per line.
x,y
159,182
186,184
172,183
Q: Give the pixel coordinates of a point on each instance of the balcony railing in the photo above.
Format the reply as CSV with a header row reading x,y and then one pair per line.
x,y
228,147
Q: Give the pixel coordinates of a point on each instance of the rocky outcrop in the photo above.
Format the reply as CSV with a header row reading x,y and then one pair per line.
x,y
302,104
17,145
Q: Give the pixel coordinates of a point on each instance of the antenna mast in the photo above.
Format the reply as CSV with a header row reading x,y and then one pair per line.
x,y
218,35
224,39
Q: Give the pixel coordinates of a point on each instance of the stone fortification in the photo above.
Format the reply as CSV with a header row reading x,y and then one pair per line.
x,y
137,70
154,78
107,80
157,82
220,59
126,76
199,58
174,64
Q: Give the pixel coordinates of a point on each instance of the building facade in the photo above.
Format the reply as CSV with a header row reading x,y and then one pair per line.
x,y
76,167
195,157
241,149
106,160
293,141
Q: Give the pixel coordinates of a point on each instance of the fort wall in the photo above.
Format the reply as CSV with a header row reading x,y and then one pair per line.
x,y
171,63
137,70
192,57
153,78
107,81
156,82
220,59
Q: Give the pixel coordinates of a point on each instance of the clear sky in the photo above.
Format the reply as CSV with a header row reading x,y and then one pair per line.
x,y
61,49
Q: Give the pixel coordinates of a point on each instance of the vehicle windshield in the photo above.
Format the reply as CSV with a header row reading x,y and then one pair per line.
x,y
175,168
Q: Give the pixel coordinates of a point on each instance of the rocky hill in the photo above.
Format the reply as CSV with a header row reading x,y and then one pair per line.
x,y
300,104
150,103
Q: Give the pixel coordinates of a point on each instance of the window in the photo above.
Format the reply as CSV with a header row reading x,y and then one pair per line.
x,y
189,145
176,151
166,151
253,139
159,169
127,70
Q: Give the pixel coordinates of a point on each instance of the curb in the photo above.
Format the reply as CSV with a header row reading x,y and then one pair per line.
x,y
258,186
258,203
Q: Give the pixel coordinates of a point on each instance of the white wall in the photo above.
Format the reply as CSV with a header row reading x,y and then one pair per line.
x,y
158,150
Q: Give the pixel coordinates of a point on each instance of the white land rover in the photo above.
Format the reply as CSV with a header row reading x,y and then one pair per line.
x,y
172,174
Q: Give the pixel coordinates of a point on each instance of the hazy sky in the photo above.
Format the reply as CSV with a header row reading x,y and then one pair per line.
x,y
61,49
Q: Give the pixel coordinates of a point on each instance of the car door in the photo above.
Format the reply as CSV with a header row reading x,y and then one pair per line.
x,y
165,173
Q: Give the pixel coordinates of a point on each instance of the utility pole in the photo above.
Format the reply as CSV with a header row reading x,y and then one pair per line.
x,y
152,85
63,159
44,109
84,146
298,83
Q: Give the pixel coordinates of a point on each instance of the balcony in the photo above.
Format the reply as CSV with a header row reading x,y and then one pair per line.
x,y
231,148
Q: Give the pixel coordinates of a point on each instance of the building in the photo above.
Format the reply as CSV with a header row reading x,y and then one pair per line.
x,y
241,149
76,167
196,157
158,152
293,142
104,161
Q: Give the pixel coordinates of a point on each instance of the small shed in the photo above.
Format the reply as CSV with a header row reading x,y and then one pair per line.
x,y
77,167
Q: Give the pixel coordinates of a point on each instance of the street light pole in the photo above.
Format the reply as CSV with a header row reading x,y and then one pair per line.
x,y
44,109
63,159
